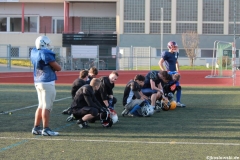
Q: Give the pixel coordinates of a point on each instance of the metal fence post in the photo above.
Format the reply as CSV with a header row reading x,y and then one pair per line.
x,y
9,56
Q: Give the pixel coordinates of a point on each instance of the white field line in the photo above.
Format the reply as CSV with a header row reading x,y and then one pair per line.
x,y
113,141
31,106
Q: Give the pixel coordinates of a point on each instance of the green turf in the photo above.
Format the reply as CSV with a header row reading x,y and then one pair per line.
x,y
209,126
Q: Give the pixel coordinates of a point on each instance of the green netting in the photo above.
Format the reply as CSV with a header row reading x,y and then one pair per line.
x,y
223,60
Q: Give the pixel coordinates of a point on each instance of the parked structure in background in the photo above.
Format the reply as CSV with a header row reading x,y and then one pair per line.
x,y
118,27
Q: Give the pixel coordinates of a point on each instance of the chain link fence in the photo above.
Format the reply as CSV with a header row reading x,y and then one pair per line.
x,y
125,58
5,55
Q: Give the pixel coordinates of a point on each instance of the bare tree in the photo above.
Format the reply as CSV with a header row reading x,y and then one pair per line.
x,y
190,42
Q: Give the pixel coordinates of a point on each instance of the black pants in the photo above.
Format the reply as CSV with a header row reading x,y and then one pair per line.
x,y
78,113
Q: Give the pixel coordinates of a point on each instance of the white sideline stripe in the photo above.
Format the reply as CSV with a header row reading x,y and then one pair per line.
x,y
112,141
32,106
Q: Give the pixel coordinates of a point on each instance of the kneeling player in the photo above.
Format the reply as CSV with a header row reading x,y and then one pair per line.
x,y
173,86
86,107
133,99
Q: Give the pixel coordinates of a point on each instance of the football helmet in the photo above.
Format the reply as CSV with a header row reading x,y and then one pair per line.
x,y
113,115
165,104
172,46
105,119
42,42
147,110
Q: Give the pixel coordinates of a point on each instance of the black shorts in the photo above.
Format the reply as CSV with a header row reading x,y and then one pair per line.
x,y
78,113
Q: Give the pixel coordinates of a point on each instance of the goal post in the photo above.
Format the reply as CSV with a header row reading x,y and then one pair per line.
x,y
223,61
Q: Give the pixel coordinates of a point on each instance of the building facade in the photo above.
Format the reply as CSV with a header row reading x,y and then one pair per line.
x,y
136,23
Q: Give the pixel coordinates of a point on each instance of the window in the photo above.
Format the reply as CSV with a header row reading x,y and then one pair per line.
x,y
182,53
134,28
183,27
15,52
98,24
3,24
159,53
207,53
210,28
58,25
30,24
14,24
134,10
231,10
29,51
155,10
231,29
187,10
213,10
156,28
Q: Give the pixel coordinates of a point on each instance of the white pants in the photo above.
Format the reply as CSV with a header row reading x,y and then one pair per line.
x,y
46,95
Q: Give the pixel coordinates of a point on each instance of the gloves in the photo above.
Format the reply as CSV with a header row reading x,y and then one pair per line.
x,y
103,109
110,102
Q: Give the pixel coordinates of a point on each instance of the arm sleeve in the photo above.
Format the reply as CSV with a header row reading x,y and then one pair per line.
x,y
48,56
163,55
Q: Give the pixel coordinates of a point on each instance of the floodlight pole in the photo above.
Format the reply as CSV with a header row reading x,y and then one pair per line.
x,y
234,45
161,30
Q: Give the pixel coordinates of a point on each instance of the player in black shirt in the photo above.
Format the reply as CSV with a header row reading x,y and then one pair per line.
x,y
78,83
92,73
105,93
86,107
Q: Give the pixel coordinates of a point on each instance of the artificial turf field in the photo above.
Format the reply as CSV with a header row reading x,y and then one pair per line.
x,y
208,128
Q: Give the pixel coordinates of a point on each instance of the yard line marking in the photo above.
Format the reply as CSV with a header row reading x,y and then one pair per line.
x,y
13,145
6,112
25,140
114,141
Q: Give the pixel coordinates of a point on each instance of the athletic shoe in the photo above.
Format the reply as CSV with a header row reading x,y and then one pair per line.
x,y
124,112
70,118
82,124
49,132
67,111
181,105
157,109
158,106
130,115
37,130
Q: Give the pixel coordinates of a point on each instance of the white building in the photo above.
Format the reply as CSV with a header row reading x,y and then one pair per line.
x,y
137,23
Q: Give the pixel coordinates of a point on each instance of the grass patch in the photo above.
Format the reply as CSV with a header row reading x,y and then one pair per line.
x,y
206,127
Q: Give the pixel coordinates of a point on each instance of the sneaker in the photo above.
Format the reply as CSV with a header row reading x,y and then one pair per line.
x,y
49,132
82,124
37,130
130,115
70,118
181,105
124,112
158,106
67,111
157,109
